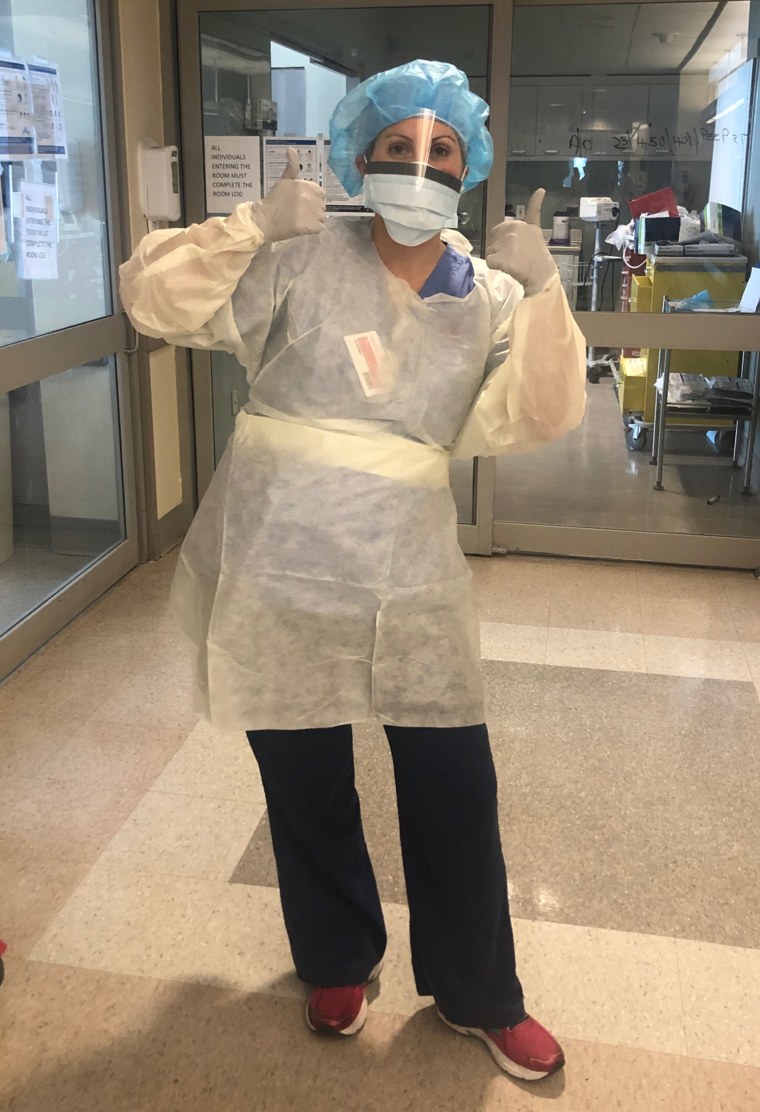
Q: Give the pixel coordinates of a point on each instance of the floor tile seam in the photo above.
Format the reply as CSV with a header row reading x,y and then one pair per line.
x,y
132,871
751,651
112,858
683,675
675,941
104,780
681,997
115,833
104,783
32,860
638,936
206,795
31,946
707,642
541,632
159,988
191,795
122,861
544,642
704,645
634,640
90,865
198,928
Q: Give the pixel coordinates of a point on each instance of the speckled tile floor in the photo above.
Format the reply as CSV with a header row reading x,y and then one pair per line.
x,y
148,967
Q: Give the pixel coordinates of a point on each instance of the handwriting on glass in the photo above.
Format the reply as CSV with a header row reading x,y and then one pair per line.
x,y
643,139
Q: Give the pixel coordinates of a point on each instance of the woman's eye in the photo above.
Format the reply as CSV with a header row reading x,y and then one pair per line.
x,y
398,150
441,151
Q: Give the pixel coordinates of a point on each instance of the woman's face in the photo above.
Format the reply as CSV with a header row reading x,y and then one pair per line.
x,y
421,139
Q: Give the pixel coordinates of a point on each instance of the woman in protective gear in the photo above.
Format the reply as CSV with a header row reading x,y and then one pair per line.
x,y
321,580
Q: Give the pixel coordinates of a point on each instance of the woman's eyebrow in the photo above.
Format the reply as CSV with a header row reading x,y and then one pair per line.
x,y
413,139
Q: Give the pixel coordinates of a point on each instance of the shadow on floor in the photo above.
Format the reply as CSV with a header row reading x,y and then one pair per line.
x,y
212,1048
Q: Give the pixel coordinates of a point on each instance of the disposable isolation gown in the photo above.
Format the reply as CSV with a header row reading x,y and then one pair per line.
x,y
321,579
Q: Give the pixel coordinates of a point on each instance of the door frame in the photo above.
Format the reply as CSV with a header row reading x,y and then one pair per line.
x,y
483,535
38,358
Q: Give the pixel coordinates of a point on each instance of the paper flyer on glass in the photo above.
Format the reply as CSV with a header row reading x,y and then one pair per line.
x,y
38,233
16,112
47,105
276,159
233,172
337,199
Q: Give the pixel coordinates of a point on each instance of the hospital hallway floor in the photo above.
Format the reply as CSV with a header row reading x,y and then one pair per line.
x,y
148,968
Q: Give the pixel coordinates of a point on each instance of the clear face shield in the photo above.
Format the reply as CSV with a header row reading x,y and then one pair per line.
x,y
413,176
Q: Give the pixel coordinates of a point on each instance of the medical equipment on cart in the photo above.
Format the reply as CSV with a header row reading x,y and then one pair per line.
x,y
674,279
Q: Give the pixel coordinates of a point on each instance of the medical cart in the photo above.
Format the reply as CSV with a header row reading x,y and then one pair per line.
x,y
674,278
700,413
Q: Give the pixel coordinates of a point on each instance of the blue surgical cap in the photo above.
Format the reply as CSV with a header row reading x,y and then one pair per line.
x,y
396,95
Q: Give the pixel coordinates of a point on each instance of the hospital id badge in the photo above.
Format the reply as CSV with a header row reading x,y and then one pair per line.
x,y
368,357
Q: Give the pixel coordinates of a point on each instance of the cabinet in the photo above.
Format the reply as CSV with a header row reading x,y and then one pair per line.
x,y
559,113
662,118
604,120
617,117
523,100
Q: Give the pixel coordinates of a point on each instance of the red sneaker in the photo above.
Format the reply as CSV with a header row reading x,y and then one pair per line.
x,y
340,1011
527,1051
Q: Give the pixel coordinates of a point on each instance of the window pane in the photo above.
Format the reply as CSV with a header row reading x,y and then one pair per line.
x,y
600,475
53,244
623,101
646,108
61,505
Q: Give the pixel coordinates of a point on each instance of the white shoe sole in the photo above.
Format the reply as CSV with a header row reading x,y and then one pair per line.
x,y
505,1063
361,1018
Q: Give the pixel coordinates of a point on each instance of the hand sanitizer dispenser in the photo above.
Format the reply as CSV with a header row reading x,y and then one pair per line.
x,y
159,181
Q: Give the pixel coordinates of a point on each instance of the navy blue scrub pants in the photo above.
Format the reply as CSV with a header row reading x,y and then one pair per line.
x,y
460,929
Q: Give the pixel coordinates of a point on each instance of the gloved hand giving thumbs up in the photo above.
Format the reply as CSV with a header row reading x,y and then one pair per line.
x,y
518,248
292,207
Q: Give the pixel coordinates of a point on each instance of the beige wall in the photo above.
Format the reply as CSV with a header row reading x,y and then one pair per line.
x,y
163,378
143,118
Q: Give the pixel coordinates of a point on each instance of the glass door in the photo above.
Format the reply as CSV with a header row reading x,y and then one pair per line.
x,y
675,110
67,516
621,110
255,79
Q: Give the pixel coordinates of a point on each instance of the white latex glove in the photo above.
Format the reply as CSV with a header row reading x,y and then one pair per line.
x,y
292,207
518,247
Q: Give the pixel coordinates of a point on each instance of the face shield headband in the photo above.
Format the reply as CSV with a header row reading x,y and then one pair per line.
x,y
419,171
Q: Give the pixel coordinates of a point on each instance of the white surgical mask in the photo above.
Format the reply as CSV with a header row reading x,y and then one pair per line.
x,y
413,209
